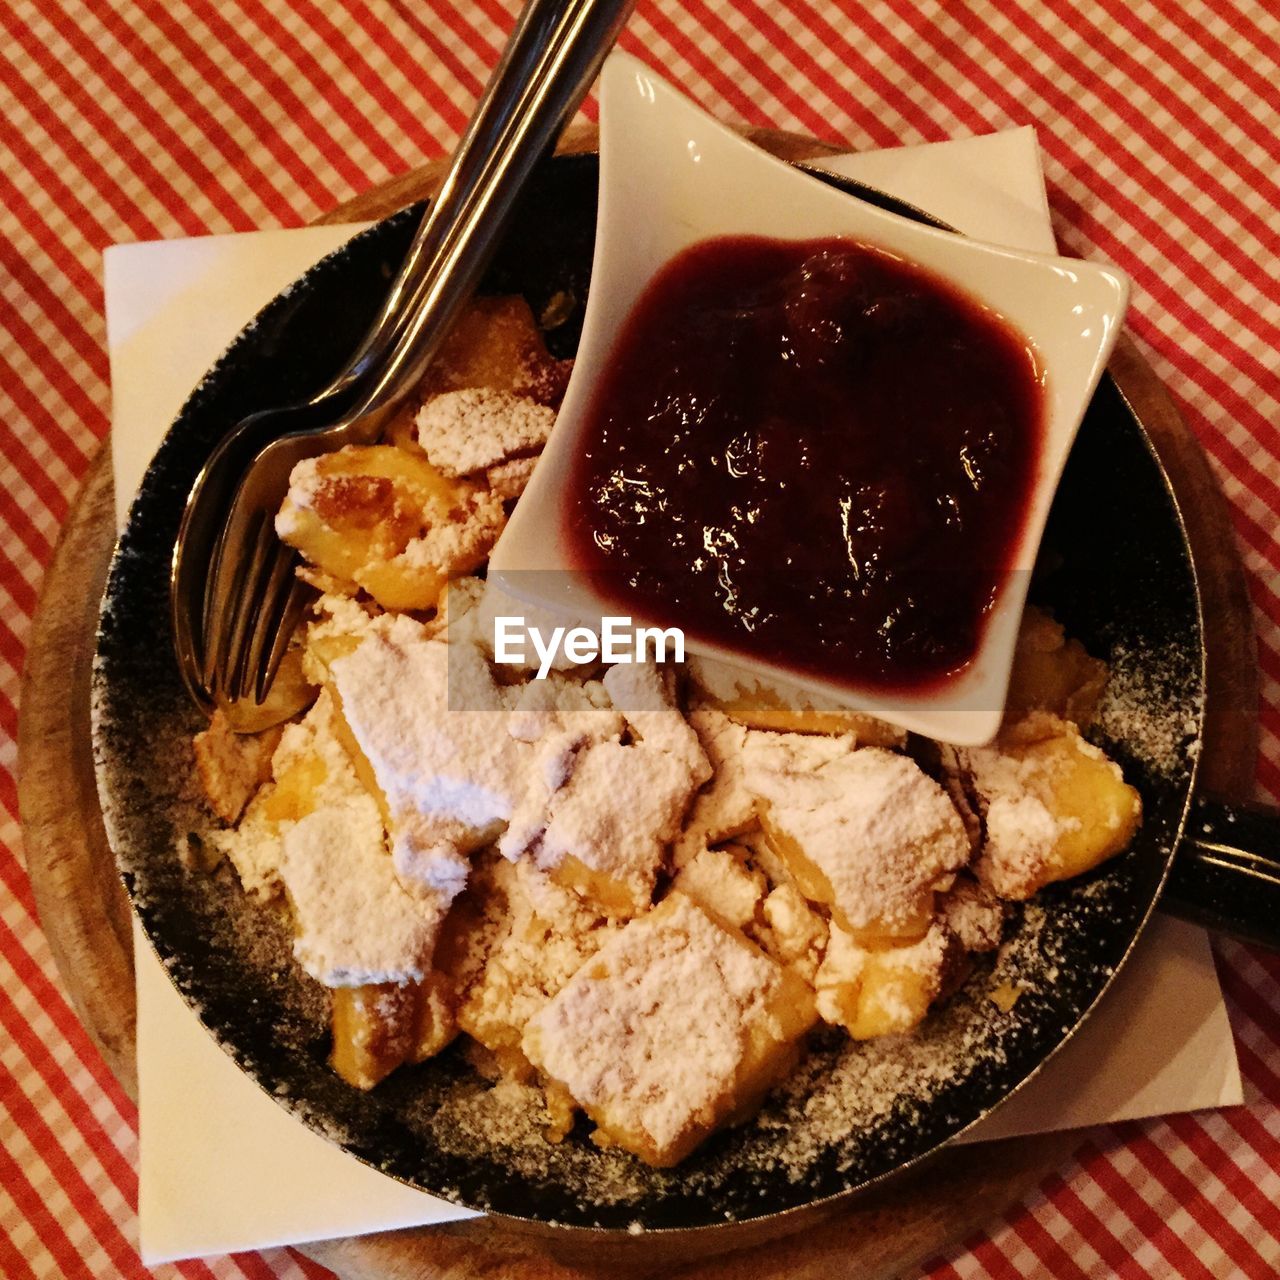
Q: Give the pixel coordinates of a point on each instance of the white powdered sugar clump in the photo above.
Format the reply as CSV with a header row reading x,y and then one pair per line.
x,y
875,826
479,427
651,1031
253,849
355,923
305,482
564,719
1146,705
450,775
579,710
973,914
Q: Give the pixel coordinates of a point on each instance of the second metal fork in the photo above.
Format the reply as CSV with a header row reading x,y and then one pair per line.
x,y
235,599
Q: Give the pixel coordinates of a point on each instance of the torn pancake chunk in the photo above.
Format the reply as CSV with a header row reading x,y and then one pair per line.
x,y
867,834
1052,673
792,932
722,884
608,827
380,1026
644,693
724,807
309,769
381,518
508,480
232,766
675,1027
885,991
496,342
540,936
1053,806
428,721
478,428
355,923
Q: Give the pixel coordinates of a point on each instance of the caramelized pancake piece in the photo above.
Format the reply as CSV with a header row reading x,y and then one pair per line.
x,y
386,520
1053,806
676,1027
232,766
380,1026
1052,673
359,504
865,833
888,990
531,936
496,343
761,703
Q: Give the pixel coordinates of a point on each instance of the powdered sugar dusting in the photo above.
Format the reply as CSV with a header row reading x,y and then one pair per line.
x,y
878,829
1140,689
476,428
651,1031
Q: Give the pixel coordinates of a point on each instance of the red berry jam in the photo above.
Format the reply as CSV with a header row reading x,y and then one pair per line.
x,y
812,452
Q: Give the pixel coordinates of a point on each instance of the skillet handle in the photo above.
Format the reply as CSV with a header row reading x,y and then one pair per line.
x,y
1226,874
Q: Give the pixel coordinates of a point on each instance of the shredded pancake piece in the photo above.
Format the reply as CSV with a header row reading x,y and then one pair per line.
x,y
428,720
355,922
479,428
674,1026
866,833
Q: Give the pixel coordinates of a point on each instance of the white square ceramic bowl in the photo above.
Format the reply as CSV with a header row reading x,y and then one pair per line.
x,y
670,177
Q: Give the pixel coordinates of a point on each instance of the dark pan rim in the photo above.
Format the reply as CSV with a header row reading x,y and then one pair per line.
x,y
782,1217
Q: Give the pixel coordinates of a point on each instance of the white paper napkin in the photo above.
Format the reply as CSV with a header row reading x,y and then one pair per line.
x,y
223,1167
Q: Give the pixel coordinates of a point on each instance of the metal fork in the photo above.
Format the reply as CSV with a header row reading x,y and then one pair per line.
x,y
234,597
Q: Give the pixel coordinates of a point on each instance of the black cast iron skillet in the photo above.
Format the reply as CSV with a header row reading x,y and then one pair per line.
x,y
1116,571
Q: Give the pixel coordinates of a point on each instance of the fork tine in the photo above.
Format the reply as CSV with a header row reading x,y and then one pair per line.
x,y
227,571
244,605
299,596
270,599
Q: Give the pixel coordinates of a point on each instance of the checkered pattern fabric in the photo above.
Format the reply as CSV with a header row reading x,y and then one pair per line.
x,y
136,119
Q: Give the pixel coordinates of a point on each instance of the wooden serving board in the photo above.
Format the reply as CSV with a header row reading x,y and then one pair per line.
x,y
87,917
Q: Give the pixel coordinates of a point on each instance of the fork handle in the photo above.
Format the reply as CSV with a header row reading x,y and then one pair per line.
x,y
549,63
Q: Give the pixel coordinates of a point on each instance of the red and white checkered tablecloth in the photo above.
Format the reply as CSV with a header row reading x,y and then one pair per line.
x,y
137,119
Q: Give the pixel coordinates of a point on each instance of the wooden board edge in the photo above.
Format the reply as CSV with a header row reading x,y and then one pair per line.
x,y
81,901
